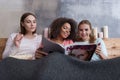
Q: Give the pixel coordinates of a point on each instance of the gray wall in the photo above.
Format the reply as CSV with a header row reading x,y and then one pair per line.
x,y
99,12
10,13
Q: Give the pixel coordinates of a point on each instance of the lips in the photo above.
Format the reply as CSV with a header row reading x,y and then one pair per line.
x,y
66,34
83,35
32,27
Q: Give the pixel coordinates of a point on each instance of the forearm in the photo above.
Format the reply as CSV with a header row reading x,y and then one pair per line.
x,y
9,46
102,56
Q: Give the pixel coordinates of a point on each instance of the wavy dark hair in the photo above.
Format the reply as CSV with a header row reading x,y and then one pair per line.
x,y
22,28
92,38
56,25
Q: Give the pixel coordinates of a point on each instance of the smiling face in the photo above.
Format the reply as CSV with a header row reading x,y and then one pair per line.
x,y
65,31
29,24
84,32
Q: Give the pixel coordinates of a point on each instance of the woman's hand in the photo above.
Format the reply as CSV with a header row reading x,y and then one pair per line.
x,y
39,53
99,52
18,39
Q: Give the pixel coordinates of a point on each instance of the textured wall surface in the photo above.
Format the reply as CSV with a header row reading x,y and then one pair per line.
x,y
99,12
10,13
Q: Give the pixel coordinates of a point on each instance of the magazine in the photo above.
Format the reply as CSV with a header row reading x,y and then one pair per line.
x,y
81,50
50,46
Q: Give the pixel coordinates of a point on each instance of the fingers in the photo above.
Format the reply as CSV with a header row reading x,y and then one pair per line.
x,y
39,53
17,39
19,36
98,50
38,56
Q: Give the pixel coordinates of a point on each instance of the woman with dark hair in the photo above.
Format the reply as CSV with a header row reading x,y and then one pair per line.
x,y
24,44
62,32
85,35
22,21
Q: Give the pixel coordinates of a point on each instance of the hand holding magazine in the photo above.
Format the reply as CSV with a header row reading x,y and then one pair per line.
x,y
78,49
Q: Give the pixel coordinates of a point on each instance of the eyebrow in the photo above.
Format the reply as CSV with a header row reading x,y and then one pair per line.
x,y
29,20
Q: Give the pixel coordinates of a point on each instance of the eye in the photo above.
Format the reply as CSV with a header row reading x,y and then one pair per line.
x,y
86,29
66,28
27,21
80,29
34,21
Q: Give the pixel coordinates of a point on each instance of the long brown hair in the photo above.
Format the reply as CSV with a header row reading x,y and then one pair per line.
x,y
23,30
92,38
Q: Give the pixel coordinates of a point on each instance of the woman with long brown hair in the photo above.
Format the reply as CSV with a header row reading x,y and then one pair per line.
x,y
85,35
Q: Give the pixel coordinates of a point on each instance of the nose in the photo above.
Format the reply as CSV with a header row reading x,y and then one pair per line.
x,y
67,30
32,23
83,31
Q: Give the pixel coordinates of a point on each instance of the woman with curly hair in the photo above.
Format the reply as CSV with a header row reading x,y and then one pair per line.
x,y
62,32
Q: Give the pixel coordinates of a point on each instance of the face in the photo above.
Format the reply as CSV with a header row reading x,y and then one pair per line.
x,y
65,30
29,24
84,31
80,54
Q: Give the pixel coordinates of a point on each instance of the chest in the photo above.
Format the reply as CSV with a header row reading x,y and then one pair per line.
x,y
27,44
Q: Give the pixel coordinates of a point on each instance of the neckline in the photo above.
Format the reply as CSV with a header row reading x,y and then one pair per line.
x,y
30,38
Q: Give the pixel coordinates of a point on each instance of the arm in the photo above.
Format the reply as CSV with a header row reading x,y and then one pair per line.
x,y
8,47
17,39
101,50
39,53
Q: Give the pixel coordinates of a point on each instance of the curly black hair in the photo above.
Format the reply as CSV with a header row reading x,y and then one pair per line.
x,y
56,25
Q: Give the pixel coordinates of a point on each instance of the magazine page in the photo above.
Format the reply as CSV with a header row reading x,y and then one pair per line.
x,y
50,46
80,50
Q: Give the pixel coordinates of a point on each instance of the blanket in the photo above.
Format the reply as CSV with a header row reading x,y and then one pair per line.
x,y
57,66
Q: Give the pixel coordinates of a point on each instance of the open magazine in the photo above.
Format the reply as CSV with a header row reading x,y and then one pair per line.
x,y
81,50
